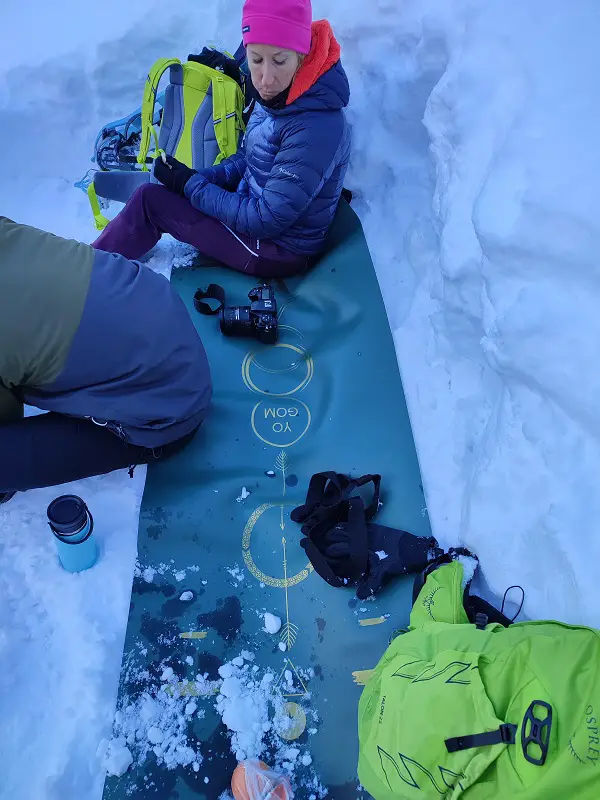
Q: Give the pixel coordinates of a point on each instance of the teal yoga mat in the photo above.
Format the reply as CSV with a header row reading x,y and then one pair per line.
x,y
327,397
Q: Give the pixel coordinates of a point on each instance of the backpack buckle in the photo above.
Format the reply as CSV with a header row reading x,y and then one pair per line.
x,y
536,731
481,621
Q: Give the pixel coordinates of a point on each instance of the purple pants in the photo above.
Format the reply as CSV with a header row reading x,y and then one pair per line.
x,y
153,210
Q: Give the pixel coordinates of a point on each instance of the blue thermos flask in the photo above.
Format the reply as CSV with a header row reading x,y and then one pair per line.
x,y
72,525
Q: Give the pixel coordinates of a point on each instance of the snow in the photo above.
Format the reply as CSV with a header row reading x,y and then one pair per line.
x,y
475,172
118,758
158,723
186,596
272,623
254,711
469,565
244,495
61,638
237,574
381,554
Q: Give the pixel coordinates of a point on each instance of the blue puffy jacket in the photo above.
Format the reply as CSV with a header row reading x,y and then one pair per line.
x,y
285,183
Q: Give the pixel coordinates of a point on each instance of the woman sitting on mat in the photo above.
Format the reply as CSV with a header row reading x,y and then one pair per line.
x,y
106,346
266,210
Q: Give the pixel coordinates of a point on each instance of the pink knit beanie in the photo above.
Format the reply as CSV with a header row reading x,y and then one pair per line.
x,y
280,23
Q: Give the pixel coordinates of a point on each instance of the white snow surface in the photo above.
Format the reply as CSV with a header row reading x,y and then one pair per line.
x,y
475,170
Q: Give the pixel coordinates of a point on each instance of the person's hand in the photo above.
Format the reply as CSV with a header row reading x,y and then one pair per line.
x,y
172,173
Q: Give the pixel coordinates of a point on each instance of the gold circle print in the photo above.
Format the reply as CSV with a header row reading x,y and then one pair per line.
x,y
275,543
280,371
295,719
280,422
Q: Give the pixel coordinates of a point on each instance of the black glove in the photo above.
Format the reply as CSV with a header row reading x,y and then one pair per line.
x,y
345,547
174,175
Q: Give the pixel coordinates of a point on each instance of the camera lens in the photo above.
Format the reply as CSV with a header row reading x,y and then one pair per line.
x,y
235,321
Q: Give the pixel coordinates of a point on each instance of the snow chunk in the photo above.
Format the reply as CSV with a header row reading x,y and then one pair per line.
x,y
272,623
186,596
158,723
381,554
226,670
118,757
155,735
469,565
148,574
236,573
244,495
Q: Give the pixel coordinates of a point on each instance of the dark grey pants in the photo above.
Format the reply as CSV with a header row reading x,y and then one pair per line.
x,y
51,449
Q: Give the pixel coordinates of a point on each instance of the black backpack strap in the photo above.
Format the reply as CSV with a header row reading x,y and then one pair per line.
x,y
476,606
334,523
358,537
324,489
373,506
505,734
320,563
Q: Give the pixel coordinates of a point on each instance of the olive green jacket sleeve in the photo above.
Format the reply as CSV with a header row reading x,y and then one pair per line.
x,y
44,282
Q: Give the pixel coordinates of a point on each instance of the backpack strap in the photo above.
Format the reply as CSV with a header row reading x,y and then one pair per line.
x,y
148,102
227,118
329,502
100,221
324,489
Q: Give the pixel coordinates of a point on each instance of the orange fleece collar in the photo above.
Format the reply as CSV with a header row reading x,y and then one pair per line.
x,y
324,53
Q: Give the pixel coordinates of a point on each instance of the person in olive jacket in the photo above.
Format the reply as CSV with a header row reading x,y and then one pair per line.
x,y
103,344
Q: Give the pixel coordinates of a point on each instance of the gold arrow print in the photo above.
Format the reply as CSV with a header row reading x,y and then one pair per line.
x,y
289,632
282,463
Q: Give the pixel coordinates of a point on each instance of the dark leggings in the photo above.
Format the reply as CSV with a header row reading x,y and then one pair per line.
x,y
51,449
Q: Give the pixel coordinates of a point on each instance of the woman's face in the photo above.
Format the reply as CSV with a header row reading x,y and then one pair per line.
x,y
272,69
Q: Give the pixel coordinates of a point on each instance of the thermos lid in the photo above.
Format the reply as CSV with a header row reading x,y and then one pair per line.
x,y
67,514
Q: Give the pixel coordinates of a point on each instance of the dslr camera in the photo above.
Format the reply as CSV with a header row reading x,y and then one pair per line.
x,y
258,320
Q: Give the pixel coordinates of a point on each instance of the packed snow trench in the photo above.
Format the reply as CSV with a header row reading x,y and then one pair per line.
x,y
475,170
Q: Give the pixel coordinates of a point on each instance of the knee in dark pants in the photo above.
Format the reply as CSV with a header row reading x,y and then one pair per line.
x,y
149,194
171,449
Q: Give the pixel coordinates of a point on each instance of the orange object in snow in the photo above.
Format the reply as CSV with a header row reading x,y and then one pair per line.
x,y
254,780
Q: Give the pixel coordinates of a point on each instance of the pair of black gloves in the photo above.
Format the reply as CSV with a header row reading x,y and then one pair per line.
x,y
172,173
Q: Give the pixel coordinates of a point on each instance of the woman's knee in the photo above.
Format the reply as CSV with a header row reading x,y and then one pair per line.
x,y
148,194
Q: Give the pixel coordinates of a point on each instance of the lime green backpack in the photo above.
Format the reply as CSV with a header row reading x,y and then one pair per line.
x,y
201,124
455,710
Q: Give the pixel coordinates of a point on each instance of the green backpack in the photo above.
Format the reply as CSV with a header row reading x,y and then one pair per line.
x,y
201,124
455,710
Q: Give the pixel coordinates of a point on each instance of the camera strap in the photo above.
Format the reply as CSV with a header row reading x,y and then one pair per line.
x,y
215,293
